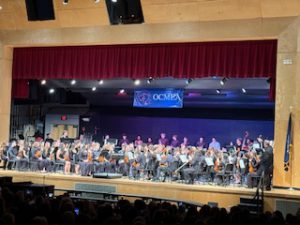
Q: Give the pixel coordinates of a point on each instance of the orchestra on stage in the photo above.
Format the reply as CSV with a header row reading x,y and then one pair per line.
x,y
241,163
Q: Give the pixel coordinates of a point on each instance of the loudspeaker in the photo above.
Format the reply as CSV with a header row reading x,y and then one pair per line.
x,y
125,12
40,10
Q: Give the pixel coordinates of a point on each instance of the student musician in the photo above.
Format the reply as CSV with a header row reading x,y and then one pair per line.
x,y
174,142
22,159
163,140
138,141
163,166
48,157
86,161
201,144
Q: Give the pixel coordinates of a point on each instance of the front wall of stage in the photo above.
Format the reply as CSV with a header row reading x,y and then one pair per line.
x,y
225,130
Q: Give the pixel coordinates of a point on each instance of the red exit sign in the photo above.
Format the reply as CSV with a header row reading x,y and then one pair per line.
x,y
63,117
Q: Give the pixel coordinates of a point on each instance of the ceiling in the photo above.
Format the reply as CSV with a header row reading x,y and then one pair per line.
x,y
85,13
198,93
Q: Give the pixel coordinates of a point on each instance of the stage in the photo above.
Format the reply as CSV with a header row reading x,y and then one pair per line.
x,y
225,196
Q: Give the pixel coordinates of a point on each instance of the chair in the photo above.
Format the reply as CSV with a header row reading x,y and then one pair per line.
x,y
206,173
59,165
11,163
226,174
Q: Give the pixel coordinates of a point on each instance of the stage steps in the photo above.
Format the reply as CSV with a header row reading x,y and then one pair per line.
x,y
254,205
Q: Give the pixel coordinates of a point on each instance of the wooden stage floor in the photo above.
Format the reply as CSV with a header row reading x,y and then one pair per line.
x,y
225,196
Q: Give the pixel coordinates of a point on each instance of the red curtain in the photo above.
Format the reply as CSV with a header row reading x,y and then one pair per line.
x,y
245,59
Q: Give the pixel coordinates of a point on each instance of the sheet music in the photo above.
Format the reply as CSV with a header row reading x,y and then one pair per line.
x,y
130,156
209,161
158,157
183,158
242,164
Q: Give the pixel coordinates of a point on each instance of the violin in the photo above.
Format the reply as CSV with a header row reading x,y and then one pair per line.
x,y
67,156
135,164
38,154
90,156
251,168
217,164
126,159
101,159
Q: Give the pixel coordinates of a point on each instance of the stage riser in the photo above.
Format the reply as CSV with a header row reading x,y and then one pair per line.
x,y
224,196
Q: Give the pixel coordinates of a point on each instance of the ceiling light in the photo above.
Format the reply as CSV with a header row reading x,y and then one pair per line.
x,y
73,82
114,1
101,82
137,82
223,81
43,82
94,88
188,81
97,1
122,91
51,90
65,2
150,79
244,90
218,91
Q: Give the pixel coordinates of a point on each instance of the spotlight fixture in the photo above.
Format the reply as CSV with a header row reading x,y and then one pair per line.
x,y
51,91
65,2
150,79
244,90
122,91
218,91
100,82
94,88
43,82
188,81
223,81
137,82
114,1
73,82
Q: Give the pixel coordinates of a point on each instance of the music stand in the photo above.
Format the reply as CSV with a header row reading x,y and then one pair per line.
x,y
67,140
117,156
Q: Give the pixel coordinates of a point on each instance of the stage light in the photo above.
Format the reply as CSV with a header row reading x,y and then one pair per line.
x,y
188,81
101,82
43,82
137,82
122,91
114,1
94,88
51,91
150,79
97,1
218,91
65,2
244,90
223,81
73,82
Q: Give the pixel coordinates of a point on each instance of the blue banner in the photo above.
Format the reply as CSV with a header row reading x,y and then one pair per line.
x,y
158,98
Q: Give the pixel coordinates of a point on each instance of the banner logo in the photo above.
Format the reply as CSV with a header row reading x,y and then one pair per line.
x,y
157,98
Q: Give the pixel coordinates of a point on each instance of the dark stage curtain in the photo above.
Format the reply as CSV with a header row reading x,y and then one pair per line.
x,y
20,88
243,59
